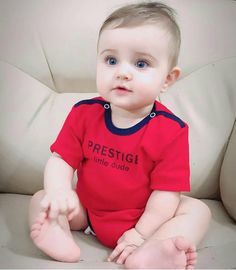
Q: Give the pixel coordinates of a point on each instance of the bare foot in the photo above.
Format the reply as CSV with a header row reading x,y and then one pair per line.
x,y
190,252
54,239
172,253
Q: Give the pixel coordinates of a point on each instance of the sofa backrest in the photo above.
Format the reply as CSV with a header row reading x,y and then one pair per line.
x,y
48,48
55,41
206,100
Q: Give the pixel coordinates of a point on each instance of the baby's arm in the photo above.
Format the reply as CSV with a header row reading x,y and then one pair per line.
x,y
160,207
60,197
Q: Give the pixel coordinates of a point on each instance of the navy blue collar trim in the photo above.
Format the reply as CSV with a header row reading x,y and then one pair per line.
x,y
125,131
91,101
135,128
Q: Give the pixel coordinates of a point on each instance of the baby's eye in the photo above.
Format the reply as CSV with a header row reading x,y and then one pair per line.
x,y
111,60
141,64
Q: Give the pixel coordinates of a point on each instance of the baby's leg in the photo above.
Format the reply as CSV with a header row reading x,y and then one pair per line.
x,y
174,244
54,238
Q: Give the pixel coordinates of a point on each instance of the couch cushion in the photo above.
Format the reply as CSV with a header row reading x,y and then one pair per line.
x,y
18,251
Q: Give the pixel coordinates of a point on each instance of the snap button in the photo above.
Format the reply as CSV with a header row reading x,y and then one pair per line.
x,y
106,106
152,115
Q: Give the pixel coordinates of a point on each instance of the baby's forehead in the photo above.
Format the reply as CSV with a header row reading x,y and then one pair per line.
x,y
117,25
146,35
142,30
152,33
134,41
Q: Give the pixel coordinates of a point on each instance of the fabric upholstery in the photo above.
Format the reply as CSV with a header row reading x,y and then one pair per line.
x,y
48,63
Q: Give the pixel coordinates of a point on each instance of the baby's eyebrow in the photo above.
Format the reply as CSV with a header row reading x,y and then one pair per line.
x,y
146,55
108,51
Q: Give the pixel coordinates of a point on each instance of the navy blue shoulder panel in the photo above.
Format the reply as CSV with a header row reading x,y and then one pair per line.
x,y
171,116
90,101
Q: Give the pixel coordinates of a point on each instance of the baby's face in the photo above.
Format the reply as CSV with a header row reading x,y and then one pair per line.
x,y
132,65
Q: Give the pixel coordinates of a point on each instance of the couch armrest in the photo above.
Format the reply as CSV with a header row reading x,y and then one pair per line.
x,y
228,176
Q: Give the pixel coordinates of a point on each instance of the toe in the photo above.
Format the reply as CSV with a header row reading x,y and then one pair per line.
x,y
181,243
192,249
36,227
41,218
190,267
191,264
34,234
191,255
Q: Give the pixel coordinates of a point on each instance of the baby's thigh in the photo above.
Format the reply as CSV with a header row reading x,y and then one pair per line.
x,y
79,221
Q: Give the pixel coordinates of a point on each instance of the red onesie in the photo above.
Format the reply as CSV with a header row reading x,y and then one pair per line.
x,y
119,168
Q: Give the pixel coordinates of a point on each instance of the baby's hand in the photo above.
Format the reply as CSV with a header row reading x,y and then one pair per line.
x,y
57,203
126,244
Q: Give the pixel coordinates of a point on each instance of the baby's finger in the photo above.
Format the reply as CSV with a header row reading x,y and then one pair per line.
x,y
73,213
63,207
45,203
71,204
121,239
73,208
127,251
116,252
54,211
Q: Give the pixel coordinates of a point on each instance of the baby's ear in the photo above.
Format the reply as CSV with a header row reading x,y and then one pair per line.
x,y
171,78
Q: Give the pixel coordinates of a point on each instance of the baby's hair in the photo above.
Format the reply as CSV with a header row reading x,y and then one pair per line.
x,y
133,15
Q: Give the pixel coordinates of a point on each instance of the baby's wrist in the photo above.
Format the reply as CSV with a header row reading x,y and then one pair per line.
x,y
139,233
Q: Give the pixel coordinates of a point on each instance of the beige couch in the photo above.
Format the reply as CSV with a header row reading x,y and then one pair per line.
x,y
47,63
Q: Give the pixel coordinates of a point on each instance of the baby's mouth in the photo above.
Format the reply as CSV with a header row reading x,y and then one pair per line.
x,y
122,89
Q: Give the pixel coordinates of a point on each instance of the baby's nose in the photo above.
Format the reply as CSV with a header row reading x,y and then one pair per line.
x,y
124,73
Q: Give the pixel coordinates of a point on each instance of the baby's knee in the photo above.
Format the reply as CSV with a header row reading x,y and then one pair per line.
x,y
201,208
194,206
38,196
198,208
36,200
205,211
133,262
39,193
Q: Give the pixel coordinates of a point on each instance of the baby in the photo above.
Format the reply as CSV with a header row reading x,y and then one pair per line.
x,y
130,152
